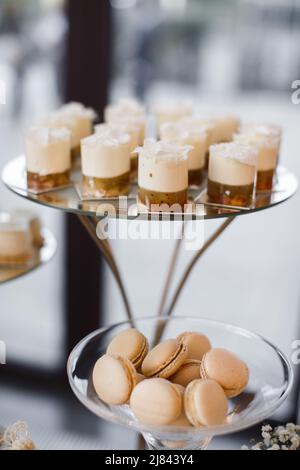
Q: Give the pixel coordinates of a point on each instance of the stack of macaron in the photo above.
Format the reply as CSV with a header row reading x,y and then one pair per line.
x,y
180,382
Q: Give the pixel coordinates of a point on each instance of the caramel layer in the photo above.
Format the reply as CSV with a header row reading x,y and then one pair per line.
x,y
230,195
196,177
155,198
265,180
75,152
40,182
134,162
107,187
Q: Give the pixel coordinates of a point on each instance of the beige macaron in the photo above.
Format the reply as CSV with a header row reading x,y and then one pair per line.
x,y
131,344
227,369
114,378
156,402
164,359
205,403
197,344
190,370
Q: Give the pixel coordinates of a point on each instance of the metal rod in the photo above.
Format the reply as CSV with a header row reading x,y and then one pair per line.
x,y
106,251
194,260
187,272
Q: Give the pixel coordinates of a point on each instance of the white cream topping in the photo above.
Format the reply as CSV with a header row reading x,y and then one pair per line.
x,y
266,144
224,127
163,166
232,163
47,150
125,106
262,128
76,118
106,154
15,239
171,112
130,128
184,133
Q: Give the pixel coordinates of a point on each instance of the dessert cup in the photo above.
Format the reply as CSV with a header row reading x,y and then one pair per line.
x,y
48,158
131,128
128,112
186,132
105,162
270,381
77,119
171,112
231,174
16,245
163,176
267,143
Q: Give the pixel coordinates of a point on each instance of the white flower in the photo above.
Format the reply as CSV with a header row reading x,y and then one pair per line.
x,y
291,427
295,441
274,447
266,428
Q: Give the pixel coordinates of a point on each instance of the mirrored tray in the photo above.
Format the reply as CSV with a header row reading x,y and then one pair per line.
x,y
68,199
41,256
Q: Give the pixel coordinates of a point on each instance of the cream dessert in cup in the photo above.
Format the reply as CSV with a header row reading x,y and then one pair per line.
x,y
34,223
105,162
127,127
78,119
15,241
128,111
48,157
267,144
171,112
186,134
163,175
225,127
231,174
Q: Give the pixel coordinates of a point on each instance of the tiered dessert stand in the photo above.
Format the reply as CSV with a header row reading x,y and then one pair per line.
x,y
90,212
41,256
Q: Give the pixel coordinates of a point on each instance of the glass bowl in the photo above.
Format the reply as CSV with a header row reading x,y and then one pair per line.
x,y
270,381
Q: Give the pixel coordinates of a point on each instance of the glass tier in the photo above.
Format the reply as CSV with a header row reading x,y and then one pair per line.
x,y
69,199
270,380
41,256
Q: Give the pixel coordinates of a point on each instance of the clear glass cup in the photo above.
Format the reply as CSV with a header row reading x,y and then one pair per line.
x,y
270,381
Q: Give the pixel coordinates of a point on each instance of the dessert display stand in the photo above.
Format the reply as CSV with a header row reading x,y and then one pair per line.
x,y
90,212
41,256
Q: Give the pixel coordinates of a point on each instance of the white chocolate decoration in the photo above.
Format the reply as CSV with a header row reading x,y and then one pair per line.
x,y
125,127
171,112
163,166
232,163
15,239
186,134
76,118
106,155
48,150
267,146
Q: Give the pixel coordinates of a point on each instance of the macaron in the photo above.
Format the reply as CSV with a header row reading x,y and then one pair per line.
x,y
190,370
114,378
164,359
227,369
131,344
156,402
197,344
205,403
